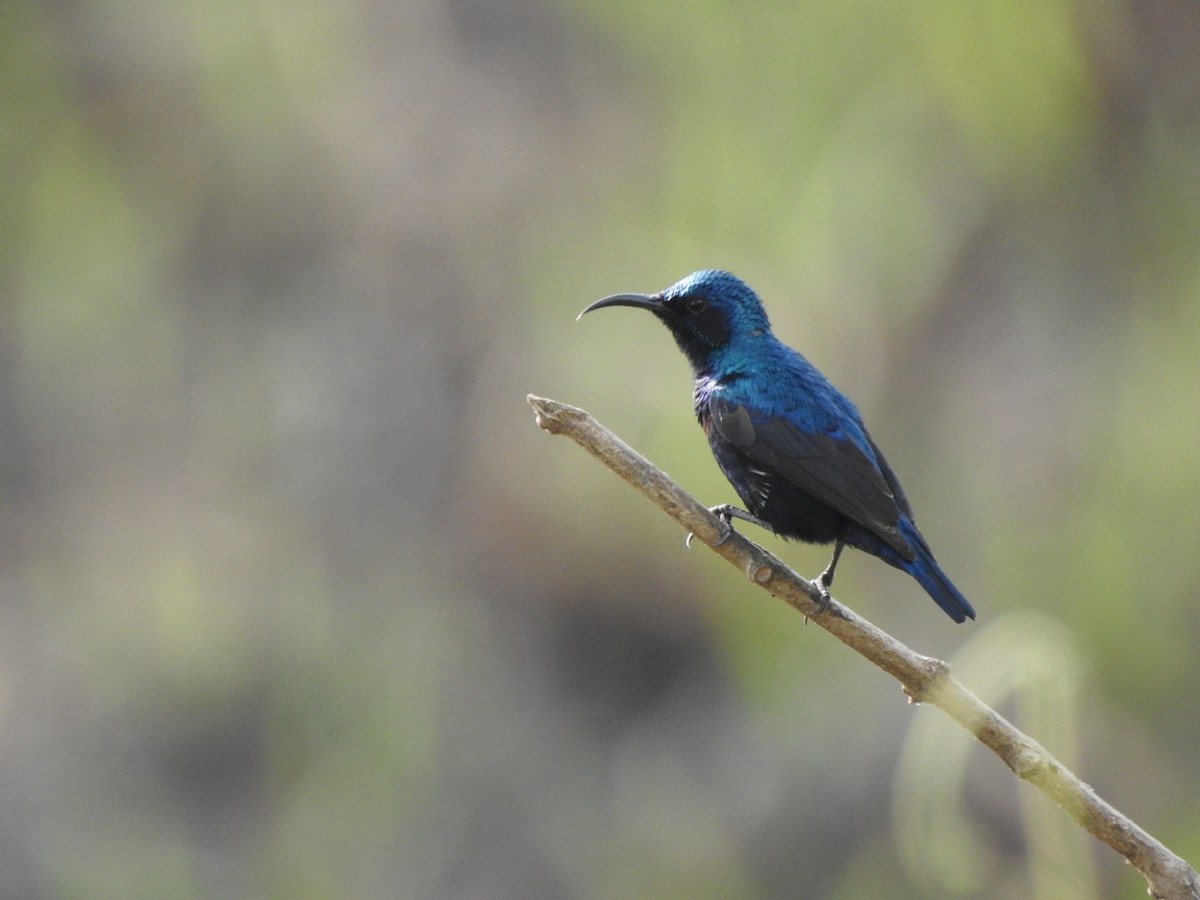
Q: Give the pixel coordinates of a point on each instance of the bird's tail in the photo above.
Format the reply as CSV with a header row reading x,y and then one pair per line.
x,y
930,576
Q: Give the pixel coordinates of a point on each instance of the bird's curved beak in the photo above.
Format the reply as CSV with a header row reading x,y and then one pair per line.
x,y
652,302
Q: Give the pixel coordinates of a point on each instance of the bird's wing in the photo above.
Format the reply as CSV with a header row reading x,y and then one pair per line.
x,y
831,468
890,477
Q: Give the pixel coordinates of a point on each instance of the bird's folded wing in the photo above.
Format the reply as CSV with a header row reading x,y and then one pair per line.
x,y
833,469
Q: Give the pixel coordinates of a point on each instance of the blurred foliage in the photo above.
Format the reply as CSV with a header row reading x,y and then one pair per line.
x,y
298,602
1025,663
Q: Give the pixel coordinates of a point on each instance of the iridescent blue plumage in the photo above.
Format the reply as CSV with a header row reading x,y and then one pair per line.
x,y
793,447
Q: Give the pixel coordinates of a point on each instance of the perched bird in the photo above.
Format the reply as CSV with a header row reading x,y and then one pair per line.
x,y
793,447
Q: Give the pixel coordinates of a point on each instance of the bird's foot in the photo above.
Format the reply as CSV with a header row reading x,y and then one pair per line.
x,y
726,513
822,586
824,581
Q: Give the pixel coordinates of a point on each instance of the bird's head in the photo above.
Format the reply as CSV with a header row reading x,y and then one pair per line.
x,y
708,312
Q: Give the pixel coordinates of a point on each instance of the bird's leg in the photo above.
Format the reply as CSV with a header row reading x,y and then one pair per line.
x,y
825,579
727,512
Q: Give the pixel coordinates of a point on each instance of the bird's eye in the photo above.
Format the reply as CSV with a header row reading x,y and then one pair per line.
x,y
696,304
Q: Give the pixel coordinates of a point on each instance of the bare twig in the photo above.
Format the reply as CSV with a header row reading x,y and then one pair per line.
x,y
924,679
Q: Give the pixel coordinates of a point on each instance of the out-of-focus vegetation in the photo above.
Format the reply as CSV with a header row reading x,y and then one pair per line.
x,y
295,600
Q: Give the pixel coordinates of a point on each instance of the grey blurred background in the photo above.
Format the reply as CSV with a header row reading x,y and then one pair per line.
x,y
296,600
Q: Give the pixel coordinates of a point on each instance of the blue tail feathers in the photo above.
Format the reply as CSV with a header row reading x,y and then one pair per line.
x,y
923,568
927,573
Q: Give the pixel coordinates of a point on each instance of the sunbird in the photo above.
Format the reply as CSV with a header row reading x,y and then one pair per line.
x,y
794,447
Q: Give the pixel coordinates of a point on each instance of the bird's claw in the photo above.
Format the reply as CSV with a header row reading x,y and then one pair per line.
x,y
823,603
823,590
722,513
822,585
825,580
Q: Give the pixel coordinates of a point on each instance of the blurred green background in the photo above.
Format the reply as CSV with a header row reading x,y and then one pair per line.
x,y
298,602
